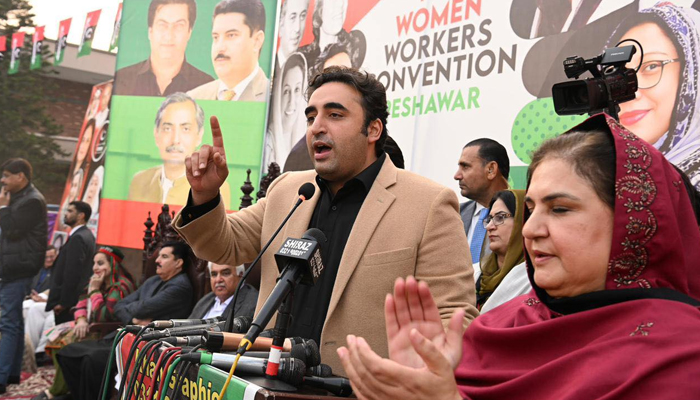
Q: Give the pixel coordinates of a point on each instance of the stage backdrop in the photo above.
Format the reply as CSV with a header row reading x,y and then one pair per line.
x,y
458,70
86,174
173,68
455,71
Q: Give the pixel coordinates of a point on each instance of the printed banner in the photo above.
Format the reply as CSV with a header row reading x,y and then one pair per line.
x,y
162,115
37,42
458,70
86,177
62,40
115,33
3,46
85,47
17,44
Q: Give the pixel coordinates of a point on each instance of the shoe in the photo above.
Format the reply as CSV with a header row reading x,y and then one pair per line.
x,y
42,359
41,396
13,380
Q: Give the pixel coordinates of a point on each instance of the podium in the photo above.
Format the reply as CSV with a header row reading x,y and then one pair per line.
x,y
204,382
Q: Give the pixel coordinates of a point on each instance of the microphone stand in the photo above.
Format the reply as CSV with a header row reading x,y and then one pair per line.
x,y
229,320
279,334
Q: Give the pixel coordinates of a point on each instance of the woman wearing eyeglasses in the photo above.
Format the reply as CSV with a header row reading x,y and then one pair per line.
x,y
502,275
664,112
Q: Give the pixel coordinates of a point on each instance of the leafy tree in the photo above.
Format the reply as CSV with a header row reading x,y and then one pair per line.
x,y
26,129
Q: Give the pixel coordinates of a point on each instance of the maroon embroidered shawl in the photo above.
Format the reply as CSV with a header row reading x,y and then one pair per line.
x,y
639,338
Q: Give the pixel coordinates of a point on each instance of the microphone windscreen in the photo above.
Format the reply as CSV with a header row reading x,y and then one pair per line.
x,y
316,235
322,370
241,324
307,190
292,371
313,355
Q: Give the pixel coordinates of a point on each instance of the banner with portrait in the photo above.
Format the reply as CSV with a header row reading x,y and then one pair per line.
x,y
180,63
86,176
458,70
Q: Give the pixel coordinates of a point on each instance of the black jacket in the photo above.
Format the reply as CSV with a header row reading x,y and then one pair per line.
x,y
156,299
71,272
23,235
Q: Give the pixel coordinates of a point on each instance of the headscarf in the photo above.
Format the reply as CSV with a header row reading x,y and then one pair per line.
x,y
115,258
491,275
681,144
638,338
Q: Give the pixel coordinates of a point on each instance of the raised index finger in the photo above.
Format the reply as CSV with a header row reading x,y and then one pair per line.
x,y
216,136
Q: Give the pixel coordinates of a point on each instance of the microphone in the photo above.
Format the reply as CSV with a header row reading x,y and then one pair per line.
x,y
217,341
336,385
306,191
310,356
184,340
183,331
291,370
321,370
300,262
174,323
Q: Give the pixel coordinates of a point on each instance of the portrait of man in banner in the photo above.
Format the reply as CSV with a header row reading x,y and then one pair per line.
x,y
178,131
166,70
238,34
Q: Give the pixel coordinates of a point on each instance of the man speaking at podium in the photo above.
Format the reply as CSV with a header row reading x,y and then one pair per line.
x,y
380,222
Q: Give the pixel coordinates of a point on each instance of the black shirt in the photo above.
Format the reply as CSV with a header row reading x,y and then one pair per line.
x,y
334,216
139,80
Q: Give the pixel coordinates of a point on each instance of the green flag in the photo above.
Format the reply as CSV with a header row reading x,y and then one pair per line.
x,y
37,41
63,29
17,44
88,33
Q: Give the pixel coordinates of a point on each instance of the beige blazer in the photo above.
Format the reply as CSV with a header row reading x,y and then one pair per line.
x,y
255,91
408,225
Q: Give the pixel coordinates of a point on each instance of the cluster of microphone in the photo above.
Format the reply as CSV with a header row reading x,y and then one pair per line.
x,y
295,361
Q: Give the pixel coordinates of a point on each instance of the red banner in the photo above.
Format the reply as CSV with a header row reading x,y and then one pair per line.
x,y
63,29
17,44
88,33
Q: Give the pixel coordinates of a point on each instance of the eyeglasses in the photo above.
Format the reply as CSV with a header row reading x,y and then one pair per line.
x,y
649,74
498,219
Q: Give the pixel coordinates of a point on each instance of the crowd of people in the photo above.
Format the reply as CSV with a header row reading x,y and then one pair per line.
x,y
582,286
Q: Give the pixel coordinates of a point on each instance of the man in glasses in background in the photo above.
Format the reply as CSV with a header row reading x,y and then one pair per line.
x,y
482,171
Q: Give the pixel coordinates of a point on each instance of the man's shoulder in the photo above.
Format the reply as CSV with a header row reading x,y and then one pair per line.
x,y
206,91
419,185
196,75
131,69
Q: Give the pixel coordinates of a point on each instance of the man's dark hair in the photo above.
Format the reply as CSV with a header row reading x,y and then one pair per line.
x,y
155,4
82,207
17,165
372,92
181,251
252,10
394,152
50,247
491,150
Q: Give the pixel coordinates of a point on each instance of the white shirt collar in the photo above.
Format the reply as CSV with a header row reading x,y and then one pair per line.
x,y
75,228
238,89
165,183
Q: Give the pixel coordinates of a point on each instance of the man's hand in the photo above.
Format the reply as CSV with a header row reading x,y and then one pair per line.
x,y
58,309
206,168
35,296
4,197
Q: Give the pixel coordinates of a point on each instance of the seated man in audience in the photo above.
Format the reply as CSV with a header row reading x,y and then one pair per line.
x,y
164,296
224,280
36,318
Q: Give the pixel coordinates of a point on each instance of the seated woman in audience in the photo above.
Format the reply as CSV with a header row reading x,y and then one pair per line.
x,y
612,254
109,283
502,275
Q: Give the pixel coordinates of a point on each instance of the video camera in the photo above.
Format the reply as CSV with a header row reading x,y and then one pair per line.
x,y
612,83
